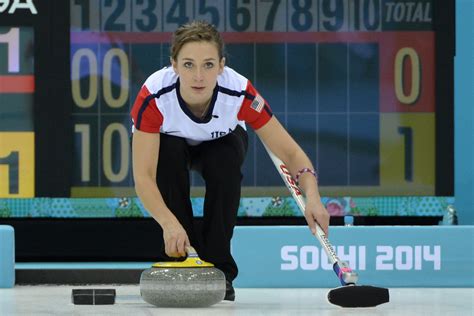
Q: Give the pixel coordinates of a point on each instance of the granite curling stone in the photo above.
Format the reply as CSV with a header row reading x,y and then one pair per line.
x,y
189,283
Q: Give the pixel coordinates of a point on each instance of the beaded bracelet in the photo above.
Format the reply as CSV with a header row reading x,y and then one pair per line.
x,y
301,171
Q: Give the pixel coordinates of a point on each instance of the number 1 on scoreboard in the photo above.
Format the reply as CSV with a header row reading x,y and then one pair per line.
x,y
17,170
12,39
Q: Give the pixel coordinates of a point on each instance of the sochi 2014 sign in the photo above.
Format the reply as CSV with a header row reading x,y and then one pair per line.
x,y
14,6
386,257
391,256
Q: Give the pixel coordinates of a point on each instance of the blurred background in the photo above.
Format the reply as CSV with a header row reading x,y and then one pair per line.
x,y
366,87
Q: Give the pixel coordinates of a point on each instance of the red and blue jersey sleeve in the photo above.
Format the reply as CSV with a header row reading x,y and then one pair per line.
x,y
254,110
145,114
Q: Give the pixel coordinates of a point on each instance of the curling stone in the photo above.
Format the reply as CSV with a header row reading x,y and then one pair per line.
x,y
189,283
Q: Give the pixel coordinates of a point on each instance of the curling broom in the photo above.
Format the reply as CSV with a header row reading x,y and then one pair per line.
x,y
349,294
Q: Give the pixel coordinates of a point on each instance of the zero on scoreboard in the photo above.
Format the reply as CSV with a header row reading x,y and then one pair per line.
x,y
352,80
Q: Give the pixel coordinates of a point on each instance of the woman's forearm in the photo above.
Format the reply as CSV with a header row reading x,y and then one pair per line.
x,y
306,180
153,202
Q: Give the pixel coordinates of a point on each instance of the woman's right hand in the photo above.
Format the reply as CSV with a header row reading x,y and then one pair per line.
x,y
176,240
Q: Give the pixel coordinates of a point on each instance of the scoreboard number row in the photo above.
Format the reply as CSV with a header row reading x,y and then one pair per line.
x,y
229,15
85,97
405,154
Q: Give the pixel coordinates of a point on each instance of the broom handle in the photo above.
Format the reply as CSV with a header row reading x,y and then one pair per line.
x,y
341,268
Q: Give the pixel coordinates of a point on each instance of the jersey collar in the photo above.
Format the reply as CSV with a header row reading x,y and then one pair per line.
x,y
186,110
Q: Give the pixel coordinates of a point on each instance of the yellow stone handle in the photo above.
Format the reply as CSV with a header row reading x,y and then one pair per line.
x,y
192,261
191,252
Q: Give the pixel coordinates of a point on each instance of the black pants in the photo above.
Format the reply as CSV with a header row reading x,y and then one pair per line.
x,y
219,162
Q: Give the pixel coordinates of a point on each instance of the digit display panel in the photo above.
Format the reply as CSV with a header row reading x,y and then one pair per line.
x,y
17,146
352,80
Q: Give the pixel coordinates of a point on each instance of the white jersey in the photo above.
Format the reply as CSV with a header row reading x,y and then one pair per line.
x,y
159,107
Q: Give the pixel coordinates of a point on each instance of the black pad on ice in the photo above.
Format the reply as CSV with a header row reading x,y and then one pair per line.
x,y
358,296
93,296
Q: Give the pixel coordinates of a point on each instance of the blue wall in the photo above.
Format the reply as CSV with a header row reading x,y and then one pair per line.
x,y
391,256
463,112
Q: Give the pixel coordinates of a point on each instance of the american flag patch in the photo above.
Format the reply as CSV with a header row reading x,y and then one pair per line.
x,y
258,103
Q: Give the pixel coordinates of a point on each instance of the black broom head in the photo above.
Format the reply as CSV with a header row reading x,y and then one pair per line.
x,y
358,296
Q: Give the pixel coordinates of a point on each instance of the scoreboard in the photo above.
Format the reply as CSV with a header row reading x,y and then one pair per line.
x,y
352,80
253,15
17,154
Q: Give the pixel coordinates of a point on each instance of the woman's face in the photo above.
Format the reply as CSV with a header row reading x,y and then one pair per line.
x,y
198,66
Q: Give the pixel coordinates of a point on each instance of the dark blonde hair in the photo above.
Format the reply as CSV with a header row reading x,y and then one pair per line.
x,y
196,31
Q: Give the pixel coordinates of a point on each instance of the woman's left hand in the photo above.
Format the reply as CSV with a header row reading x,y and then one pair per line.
x,y
315,212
